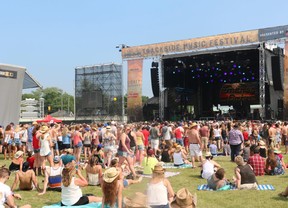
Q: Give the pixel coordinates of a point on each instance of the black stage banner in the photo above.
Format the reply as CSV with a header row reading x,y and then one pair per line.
x,y
272,33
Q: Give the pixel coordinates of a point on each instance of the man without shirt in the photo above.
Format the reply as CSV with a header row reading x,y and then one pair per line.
x,y
195,143
26,178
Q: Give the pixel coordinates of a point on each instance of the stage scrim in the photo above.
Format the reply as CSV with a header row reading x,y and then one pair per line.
x,y
134,99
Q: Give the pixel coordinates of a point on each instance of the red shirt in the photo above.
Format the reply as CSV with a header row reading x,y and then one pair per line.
x,y
245,135
257,163
30,160
35,142
146,134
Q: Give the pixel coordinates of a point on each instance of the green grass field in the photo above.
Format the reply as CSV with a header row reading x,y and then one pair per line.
x,y
190,179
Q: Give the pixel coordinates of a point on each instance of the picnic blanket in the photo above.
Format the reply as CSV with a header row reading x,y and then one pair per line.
x,y
264,187
171,165
167,174
91,205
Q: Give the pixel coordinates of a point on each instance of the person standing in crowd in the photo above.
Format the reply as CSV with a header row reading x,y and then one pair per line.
x,y
87,138
8,140
7,196
284,133
217,136
45,146
236,139
66,138
95,137
77,143
108,141
195,143
112,188
24,137
256,161
154,135
159,192
179,134
17,138
36,148
1,138
166,131
204,134
124,151
272,135
146,133
53,176
140,139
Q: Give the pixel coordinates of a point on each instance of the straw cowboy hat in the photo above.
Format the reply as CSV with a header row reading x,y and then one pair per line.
x,y
138,200
193,125
44,129
277,151
158,168
208,154
18,154
262,143
184,199
110,175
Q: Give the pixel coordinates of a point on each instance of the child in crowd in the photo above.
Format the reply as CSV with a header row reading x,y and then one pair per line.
x,y
246,151
213,148
226,148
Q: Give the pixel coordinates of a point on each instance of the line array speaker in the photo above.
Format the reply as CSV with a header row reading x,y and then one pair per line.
x,y
155,81
276,73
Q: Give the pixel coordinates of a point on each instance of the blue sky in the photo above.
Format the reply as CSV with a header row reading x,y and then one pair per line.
x,y
51,38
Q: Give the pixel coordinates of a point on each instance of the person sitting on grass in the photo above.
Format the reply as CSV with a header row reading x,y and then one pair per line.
x,y
246,151
112,188
166,154
26,178
149,162
245,177
126,182
93,171
273,164
213,148
217,180
53,176
179,157
209,166
71,194
256,161
7,196
159,191
17,161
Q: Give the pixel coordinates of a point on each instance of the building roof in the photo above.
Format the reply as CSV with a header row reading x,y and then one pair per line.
x,y
30,82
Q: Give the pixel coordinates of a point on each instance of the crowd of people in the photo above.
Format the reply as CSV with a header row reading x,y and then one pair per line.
x,y
114,156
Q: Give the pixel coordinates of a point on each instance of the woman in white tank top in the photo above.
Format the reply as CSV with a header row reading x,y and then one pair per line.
x,y
71,194
159,191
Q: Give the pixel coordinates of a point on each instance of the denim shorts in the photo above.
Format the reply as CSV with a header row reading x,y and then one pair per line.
x,y
123,154
140,147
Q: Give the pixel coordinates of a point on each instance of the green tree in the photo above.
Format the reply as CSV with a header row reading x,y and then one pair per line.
x,y
53,97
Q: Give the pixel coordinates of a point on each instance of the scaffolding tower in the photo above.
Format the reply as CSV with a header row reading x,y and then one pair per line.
x,y
99,93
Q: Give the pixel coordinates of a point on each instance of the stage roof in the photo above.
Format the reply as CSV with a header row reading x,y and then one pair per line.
x,y
213,50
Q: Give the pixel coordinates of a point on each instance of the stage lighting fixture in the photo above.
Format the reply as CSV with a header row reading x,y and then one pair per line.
x,y
231,61
217,62
234,65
